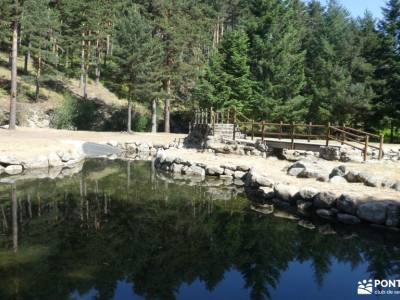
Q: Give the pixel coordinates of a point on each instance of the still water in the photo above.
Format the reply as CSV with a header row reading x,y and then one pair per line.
x,y
121,230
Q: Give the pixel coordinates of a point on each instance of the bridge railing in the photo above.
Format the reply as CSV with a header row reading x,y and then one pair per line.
x,y
358,139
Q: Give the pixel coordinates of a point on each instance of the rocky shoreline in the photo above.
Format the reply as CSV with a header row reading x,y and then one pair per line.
x,y
305,201
261,189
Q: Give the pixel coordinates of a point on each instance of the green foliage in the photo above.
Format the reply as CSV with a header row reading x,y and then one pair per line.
x,y
65,115
141,123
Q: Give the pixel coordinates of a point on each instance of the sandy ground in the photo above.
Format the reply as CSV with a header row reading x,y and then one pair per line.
x,y
275,169
25,143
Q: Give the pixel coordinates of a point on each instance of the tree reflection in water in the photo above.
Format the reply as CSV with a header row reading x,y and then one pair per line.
x,y
123,221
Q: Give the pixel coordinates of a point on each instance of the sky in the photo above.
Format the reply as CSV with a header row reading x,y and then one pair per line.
x,y
358,7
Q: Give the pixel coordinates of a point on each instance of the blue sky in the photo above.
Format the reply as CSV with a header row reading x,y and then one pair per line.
x,y
357,7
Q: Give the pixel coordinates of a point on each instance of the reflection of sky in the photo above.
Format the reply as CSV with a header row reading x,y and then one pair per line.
x,y
297,282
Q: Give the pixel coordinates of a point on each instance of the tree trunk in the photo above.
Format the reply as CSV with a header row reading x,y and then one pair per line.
x,y
167,89
83,82
27,58
154,116
38,72
13,99
98,59
129,126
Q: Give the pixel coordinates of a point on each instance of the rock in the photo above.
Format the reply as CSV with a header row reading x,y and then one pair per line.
x,y
239,174
388,183
255,179
348,219
338,171
267,192
323,178
54,160
265,209
337,180
324,200
39,162
229,172
308,193
329,153
347,204
169,159
176,168
229,167
294,171
373,181
325,214
225,177
393,215
353,176
13,169
285,192
306,224
2,169
214,171
260,146
194,171
285,215
303,206
374,212
6,160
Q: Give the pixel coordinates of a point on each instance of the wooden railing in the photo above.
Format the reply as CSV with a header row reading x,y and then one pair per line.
x,y
355,138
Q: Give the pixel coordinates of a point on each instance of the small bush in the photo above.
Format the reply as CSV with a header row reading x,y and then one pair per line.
x,y
65,115
141,123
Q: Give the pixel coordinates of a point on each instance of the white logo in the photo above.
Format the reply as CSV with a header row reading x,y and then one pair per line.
x,y
365,287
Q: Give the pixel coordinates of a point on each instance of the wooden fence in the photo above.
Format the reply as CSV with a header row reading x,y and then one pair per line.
x,y
343,134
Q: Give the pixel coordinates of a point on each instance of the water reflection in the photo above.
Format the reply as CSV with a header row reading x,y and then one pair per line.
x,y
119,230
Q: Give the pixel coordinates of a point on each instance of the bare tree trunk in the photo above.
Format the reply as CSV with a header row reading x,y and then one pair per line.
x,y
98,59
83,69
27,58
38,72
129,125
13,99
14,209
154,116
167,88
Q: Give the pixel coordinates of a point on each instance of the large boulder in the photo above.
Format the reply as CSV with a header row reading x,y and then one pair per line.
x,y
285,192
239,174
374,212
325,213
13,169
324,200
176,168
347,203
353,176
306,168
338,171
329,152
267,193
337,180
256,179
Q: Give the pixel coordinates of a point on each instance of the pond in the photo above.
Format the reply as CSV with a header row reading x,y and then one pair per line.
x,y
121,230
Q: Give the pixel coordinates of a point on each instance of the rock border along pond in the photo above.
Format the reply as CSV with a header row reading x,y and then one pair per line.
x,y
305,201
262,190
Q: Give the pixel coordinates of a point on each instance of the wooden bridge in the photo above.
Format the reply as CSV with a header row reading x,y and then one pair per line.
x,y
310,137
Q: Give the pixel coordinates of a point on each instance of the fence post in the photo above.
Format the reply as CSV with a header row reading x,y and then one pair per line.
x,y
292,136
262,131
366,147
343,134
328,129
280,130
381,140
234,123
252,129
309,131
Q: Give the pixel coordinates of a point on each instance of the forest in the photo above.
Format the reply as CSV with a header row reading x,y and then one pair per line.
x,y
276,60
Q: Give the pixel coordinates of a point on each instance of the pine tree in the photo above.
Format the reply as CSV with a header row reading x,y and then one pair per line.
x,y
41,26
388,104
138,54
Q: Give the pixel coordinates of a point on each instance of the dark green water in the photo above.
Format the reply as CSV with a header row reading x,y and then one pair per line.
x,y
124,231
